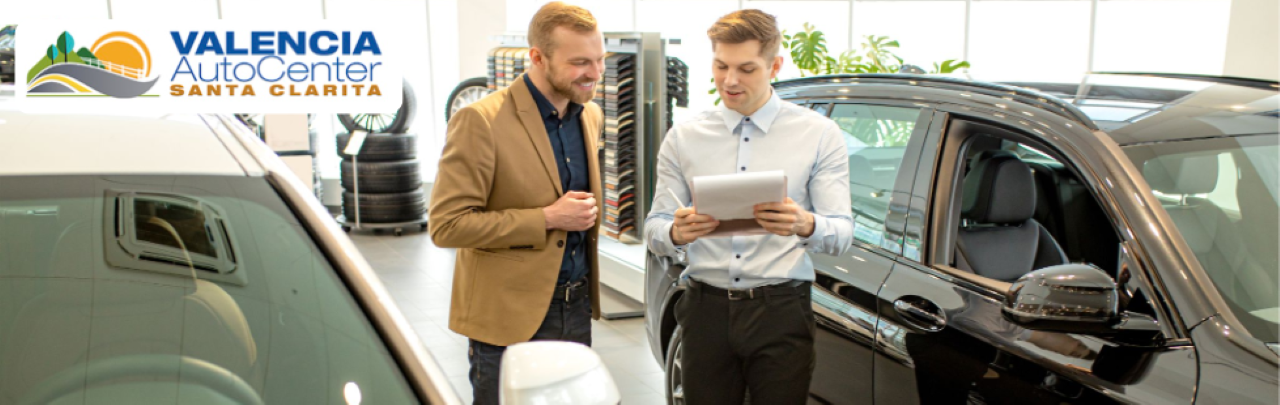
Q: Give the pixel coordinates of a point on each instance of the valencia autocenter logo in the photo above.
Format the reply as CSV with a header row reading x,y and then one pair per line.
x,y
230,63
210,67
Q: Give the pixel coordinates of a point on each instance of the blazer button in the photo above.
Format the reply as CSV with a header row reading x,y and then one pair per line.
x,y
560,243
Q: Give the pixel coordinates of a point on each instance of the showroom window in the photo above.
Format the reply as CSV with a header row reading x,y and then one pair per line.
x,y
1187,37
928,31
1057,50
876,138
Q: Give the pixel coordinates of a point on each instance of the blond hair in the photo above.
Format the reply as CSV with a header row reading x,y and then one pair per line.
x,y
557,14
745,25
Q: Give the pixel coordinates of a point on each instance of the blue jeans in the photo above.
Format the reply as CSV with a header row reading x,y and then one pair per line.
x,y
567,321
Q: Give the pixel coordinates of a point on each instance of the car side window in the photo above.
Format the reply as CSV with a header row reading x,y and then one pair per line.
x,y
876,139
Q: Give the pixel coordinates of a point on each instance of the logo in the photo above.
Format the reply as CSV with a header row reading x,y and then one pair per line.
x,y
117,65
211,67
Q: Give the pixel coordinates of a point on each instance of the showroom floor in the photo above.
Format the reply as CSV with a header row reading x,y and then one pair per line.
x,y
418,275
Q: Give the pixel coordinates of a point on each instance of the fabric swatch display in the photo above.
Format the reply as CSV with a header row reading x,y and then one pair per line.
x,y
617,96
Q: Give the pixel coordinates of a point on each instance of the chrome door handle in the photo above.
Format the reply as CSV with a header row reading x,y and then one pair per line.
x,y
930,320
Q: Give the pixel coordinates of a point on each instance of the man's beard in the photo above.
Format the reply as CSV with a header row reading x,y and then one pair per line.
x,y
567,89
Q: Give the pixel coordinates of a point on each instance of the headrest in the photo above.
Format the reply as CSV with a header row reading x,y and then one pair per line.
x,y
1182,174
999,190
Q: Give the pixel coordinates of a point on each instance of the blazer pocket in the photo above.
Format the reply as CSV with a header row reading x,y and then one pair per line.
x,y
506,256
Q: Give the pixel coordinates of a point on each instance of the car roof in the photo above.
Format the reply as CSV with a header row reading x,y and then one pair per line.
x,y
1147,108
1131,108
51,144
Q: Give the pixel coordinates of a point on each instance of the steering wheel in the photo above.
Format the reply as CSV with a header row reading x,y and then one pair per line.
x,y
159,366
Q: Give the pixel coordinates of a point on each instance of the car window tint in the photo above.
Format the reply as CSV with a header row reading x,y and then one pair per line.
x,y
1222,196
86,317
876,139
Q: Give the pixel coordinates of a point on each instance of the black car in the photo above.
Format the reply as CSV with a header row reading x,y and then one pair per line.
x,y
1107,241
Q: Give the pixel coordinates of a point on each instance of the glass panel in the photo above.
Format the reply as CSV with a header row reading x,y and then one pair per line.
x,y
876,138
1129,40
928,31
161,222
76,329
1058,51
1222,196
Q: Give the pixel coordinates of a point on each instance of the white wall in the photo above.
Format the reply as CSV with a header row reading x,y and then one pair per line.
x,y
1253,40
478,21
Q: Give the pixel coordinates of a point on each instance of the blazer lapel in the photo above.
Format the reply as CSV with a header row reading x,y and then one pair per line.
x,y
536,130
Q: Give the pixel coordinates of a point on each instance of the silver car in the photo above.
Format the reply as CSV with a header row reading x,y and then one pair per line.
x,y
176,260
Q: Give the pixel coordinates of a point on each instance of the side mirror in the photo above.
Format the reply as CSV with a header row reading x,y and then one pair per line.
x,y
1072,298
549,372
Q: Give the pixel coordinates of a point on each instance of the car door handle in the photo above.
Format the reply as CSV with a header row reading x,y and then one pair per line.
x,y
921,313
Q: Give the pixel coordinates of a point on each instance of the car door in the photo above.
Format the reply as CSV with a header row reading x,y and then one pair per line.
x,y
942,337
883,143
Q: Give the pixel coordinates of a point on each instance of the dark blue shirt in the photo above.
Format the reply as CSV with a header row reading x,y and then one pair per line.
x,y
571,160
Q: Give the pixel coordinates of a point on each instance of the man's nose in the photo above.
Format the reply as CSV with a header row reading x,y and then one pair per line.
x,y
731,79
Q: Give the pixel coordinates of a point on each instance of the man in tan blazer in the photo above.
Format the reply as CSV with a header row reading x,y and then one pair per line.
x,y
516,194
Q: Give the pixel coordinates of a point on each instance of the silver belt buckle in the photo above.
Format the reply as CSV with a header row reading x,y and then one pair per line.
x,y
736,295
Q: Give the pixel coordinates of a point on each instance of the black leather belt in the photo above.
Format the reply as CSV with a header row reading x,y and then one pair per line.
x,y
787,288
571,290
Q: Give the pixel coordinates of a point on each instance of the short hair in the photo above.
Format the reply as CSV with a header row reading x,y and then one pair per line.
x,y
745,25
557,14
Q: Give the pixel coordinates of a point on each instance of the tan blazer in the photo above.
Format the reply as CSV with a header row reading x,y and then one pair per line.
x,y
496,174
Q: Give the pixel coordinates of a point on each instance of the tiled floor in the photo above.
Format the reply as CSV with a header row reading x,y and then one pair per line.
x,y
419,275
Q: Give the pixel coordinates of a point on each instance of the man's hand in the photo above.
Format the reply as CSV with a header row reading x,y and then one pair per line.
x,y
574,211
689,226
785,218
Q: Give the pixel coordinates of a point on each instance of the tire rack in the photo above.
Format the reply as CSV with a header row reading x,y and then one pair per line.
x,y
416,198
640,124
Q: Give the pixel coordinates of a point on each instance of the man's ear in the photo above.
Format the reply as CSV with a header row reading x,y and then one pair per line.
x,y
777,66
537,57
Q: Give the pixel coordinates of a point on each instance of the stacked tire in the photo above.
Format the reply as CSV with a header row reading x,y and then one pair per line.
x,y
387,172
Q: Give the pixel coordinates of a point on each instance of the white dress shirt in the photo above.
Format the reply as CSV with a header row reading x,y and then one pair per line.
x,y
807,146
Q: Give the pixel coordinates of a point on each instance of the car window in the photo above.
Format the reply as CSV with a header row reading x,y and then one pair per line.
x,y
1065,214
822,108
876,139
1222,196
175,289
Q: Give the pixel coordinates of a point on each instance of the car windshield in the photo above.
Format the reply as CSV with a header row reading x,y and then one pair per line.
x,y
175,289
1222,195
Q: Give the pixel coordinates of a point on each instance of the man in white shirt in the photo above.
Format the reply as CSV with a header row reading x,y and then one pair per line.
x,y
746,320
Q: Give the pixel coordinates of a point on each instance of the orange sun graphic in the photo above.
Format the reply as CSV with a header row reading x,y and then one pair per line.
x,y
123,53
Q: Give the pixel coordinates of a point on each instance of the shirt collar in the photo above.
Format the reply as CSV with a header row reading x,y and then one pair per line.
x,y
545,109
762,117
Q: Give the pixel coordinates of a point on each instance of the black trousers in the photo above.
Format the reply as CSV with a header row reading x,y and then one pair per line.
x,y
761,343
566,320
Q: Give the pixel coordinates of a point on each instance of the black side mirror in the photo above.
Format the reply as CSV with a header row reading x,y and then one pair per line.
x,y
1072,298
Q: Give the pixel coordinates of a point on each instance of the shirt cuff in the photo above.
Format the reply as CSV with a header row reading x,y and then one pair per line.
x,y
681,251
819,227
